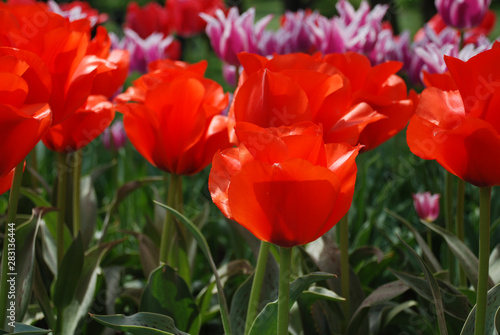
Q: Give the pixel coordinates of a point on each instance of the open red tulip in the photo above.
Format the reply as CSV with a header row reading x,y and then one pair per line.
x,y
172,116
24,112
460,129
284,184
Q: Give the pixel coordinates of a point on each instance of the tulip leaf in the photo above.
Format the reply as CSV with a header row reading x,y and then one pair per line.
x,y
167,293
455,303
468,261
426,251
434,288
321,293
143,323
203,245
381,294
492,303
26,330
80,289
266,322
25,260
497,320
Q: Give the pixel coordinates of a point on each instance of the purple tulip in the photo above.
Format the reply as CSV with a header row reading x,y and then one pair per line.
x,y
462,14
427,205
114,137
143,51
234,33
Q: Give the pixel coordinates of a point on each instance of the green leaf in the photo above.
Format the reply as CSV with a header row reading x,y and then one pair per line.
x,y
497,320
426,251
25,260
436,293
140,324
468,261
88,202
492,303
266,322
455,303
167,293
203,245
381,294
26,330
69,274
84,287
321,293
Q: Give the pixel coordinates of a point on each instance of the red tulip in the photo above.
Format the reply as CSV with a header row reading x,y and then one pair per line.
x,y
149,19
284,184
460,129
6,181
186,14
173,118
293,88
381,88
87,123
62,45
24,112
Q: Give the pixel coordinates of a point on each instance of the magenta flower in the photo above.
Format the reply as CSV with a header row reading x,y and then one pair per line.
x,y
462,14
114,137
234,33
426,205
143,51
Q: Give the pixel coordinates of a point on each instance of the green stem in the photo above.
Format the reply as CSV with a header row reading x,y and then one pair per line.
x,y
462,279
11,218
34,165
284,291
429,238
484,254
448,209
77,173
62,182
258,278
344,263
169,225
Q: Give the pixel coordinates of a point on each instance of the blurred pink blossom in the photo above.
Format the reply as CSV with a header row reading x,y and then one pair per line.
x,y
114,137
234,33
462,14
426,205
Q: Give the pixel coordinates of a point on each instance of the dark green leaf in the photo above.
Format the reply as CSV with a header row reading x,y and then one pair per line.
x,y
88,202
203,245
167,293
492,303
140,323
266,321
381,294
26,330
468,261
436,293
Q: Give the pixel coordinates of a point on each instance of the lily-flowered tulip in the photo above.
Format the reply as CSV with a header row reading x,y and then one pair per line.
x,y
426,205
114,137
78,65
172,116
462,14
456,123
284,184
86,124
25,116
234,33
144,51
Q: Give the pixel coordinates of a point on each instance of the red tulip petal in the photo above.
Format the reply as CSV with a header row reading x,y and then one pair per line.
x,y
286,204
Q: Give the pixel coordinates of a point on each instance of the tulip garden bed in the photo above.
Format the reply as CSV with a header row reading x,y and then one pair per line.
x,y
193,168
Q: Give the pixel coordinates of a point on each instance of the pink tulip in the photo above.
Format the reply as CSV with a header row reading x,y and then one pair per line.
x,y
114,137
462,14
427,205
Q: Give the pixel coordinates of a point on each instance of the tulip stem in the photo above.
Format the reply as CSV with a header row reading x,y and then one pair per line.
x,y
484,254
62,185
11,219
462,279
258,278
448,211
169,225
344,263
77,173
284,291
